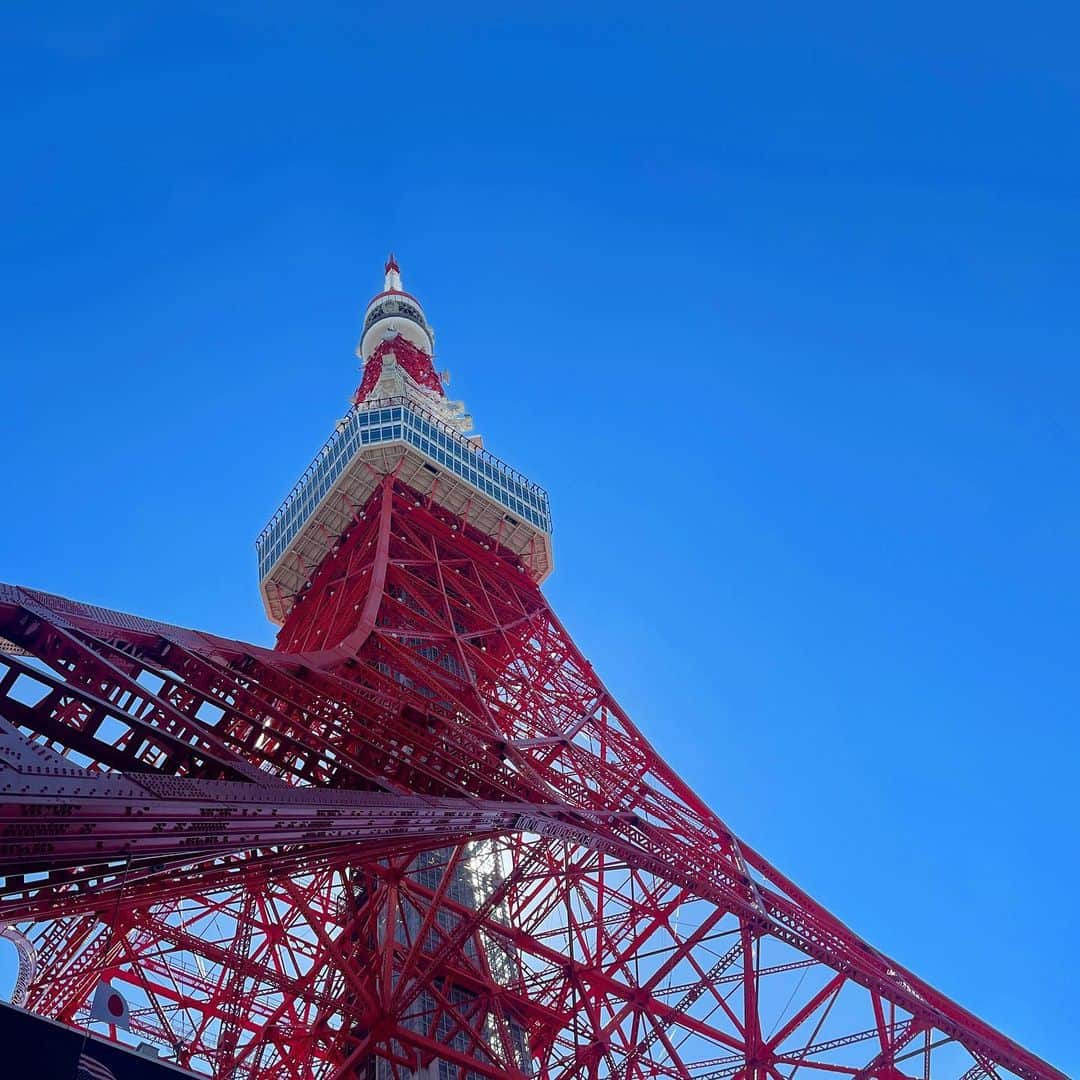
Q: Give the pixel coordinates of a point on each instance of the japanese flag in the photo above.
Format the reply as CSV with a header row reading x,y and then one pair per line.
x,y
109,1006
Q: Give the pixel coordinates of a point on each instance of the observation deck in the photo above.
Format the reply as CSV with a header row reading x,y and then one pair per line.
x,y
373,439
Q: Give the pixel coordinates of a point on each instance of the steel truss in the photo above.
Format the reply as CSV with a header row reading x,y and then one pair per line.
x,y
263,848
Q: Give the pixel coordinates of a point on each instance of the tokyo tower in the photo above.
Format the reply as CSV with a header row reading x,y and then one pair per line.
x,y
418,839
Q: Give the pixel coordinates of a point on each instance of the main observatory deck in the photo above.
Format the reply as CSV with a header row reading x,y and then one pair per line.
x,y
376,438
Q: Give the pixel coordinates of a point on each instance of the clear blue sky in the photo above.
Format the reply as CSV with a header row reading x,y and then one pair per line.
x,y
782,309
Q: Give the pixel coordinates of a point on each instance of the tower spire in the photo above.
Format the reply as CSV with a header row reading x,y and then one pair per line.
x,y
394,312
393,275
397,346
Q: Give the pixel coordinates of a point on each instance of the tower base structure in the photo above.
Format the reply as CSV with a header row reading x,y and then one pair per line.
x,y
307,916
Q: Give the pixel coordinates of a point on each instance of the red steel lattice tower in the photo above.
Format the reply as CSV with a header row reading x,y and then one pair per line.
x,y
419,838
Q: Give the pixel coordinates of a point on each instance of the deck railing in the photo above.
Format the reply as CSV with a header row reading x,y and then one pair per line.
x,y
398,419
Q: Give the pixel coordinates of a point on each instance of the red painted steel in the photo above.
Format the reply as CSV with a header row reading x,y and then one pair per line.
x,y
410,357
265,849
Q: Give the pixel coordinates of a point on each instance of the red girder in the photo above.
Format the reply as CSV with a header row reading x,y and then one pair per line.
x,y
412,358
267,848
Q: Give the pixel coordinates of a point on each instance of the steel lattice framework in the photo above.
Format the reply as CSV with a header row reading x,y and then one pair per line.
x,y
261,848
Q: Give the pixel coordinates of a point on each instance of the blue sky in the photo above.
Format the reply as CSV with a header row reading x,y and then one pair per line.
x,y
781,308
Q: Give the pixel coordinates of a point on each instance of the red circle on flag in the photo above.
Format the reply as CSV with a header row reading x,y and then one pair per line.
x,y
115,1005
